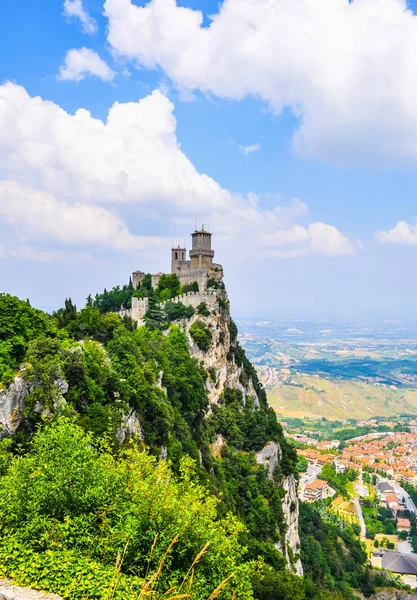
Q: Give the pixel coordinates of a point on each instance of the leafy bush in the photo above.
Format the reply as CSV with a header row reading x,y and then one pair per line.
x,y
113,300
233,331
213,283
189,287
223,304
19,324
201,335
68,496
203,310
177,310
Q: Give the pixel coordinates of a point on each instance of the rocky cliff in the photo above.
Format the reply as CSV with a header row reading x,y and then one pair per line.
x,y
12,402
220,359
392,594
226,370
270,456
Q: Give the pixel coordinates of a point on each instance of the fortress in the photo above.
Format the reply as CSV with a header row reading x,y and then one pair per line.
x,y
199,268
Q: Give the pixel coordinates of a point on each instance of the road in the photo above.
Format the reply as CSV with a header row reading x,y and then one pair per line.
x,y
361,488
311,474
360,517
401,493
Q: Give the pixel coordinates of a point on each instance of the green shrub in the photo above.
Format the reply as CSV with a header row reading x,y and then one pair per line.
x,y
223,304
201,335
71,503
189,287
213,283
203,310
177,310
19,324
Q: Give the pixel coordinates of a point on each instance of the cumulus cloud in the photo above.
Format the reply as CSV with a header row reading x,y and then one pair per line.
x,y
274,233
28,253
64,173
37,215
74,9
401,233
79,63
249,149
132,157
347,70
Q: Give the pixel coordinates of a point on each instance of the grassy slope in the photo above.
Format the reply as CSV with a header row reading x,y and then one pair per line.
x,y
338,399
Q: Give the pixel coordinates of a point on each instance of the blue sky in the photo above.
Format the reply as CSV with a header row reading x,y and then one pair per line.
x,y
294,136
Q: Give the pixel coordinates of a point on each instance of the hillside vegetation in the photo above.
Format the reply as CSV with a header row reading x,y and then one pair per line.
x,y
114,482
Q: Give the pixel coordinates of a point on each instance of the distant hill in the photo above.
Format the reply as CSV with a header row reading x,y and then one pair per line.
x,y
337,378
311,395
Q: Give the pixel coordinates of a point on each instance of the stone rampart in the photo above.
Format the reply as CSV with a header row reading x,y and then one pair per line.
x,y
140,305
195,298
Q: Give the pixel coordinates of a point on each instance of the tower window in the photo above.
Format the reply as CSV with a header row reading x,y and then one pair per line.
x,y
176,256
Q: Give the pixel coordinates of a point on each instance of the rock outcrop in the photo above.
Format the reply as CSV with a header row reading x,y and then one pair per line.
x,y
12,403
129,427
224,372
218,358
8,591
392,594
290,506
270,456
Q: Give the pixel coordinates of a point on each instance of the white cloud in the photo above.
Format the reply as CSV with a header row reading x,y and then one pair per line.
x,y
132,157
328,240
74,9
28,253
348,70
37,215
249,149
78,64
63,172
402,233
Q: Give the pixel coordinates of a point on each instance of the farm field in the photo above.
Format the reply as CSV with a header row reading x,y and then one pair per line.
x,y
337,399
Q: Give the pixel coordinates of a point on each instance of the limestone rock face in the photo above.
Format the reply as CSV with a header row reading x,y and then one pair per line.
x,y
290,506
270,456
391,594
219,360
217,445
12,403
218,357
130,427
8,591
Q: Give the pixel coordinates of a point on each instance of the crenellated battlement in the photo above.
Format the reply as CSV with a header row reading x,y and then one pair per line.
x,y
140,305
195,298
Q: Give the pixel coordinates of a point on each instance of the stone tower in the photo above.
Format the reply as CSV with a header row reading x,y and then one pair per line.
x,y
201,254
137,277
178,259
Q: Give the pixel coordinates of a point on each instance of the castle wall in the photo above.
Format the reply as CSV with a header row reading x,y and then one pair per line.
x,y
138,310
140,305
195,298
199,270
155,279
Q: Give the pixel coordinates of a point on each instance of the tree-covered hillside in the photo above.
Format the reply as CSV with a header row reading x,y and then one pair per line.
x,y
92,511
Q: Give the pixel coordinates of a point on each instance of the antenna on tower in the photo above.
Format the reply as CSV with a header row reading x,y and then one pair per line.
x,y
195,224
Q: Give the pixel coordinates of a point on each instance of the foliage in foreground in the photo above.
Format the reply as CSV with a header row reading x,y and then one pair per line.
x,y
71,503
